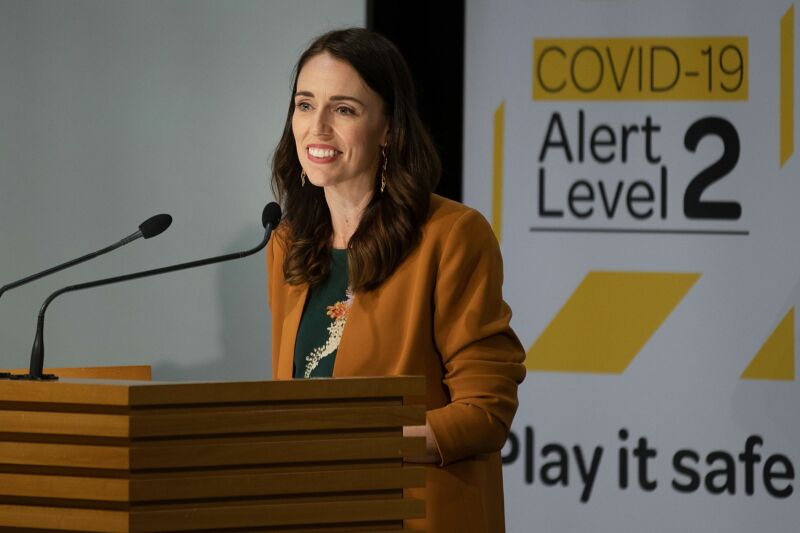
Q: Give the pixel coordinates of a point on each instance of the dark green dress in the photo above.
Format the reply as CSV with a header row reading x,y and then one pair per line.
x,y
322,323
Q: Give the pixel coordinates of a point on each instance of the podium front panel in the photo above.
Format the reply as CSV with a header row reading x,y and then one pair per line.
x,y
289,456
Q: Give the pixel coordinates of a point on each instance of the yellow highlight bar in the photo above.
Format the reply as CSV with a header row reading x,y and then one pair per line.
x,y
787,85
497,171
641,68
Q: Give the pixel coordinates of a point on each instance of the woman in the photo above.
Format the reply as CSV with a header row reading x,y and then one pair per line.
x,y
372,274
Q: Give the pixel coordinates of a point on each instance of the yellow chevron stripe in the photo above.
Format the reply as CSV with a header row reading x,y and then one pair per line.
x,y
775,359
787,85
607,321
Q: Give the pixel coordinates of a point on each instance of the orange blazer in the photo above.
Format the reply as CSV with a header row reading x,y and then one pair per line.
x,y
441,315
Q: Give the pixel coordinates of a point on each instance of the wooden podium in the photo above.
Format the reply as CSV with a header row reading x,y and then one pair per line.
x,y
291,456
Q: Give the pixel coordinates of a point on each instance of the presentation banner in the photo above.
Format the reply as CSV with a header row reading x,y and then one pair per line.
x,y
637,162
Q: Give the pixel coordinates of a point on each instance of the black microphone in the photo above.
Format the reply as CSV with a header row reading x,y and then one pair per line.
x,y
151,227
270,218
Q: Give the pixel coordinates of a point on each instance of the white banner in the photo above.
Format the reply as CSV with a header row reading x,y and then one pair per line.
x,y
637,161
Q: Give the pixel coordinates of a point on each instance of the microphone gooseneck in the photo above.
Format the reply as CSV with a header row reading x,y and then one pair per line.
x,y
270,218
151,227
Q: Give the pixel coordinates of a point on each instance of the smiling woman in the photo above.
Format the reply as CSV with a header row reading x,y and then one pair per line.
x,y
371,274
340,128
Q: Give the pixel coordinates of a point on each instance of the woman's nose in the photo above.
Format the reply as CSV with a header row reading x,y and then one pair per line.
x,y
321,125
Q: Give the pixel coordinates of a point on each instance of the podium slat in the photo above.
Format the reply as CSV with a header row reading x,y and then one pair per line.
x,y
61,518
68,455
190,423
244,483
207,455
150,393
156,425
59,423
195,518
47,486
228,516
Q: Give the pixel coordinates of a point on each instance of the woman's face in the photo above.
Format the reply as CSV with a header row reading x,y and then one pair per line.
x,y
339,125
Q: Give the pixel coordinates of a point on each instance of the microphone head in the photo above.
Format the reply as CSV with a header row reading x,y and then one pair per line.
x,y
271,215
155,225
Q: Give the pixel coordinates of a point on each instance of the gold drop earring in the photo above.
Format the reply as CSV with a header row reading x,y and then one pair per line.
x,y
383,171
303,178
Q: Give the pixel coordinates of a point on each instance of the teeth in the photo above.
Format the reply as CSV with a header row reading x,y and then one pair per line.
x,y
321,153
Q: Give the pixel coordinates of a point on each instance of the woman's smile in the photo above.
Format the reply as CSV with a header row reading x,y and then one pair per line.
x,y
322,153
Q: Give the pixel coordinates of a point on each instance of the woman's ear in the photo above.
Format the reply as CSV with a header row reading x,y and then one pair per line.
x,y
387,129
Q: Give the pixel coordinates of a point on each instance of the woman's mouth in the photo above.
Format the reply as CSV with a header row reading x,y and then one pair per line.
x,y
322,154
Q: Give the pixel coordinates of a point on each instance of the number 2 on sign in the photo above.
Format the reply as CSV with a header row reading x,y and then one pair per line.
x,y
693,206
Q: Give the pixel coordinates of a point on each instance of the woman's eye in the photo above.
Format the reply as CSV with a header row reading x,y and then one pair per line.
x,y
344,110
303,106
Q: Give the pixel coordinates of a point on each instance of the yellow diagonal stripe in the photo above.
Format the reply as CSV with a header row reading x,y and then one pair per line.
x,y
497,171
607,321
775,359
787,85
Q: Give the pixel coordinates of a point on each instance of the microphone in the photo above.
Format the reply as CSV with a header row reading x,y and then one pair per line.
x,y
151,227
270,218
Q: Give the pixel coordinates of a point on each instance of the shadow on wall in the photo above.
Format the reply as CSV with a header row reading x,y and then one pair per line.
x,y
244,322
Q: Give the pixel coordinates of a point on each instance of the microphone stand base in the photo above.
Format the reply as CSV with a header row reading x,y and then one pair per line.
x,y
30,377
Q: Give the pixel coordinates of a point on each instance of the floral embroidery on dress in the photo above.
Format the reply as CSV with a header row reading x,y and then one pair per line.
x,y
339,313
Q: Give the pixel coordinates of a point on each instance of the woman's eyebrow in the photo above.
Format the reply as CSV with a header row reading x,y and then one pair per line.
x,y
335,98
340,98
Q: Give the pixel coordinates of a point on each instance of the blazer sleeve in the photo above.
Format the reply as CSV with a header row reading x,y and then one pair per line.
x,y
482,356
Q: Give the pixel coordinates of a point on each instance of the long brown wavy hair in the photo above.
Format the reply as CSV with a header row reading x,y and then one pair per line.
x,y
391,224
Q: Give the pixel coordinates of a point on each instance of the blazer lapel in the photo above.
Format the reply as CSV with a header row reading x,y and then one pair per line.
x,y
358,339
295,301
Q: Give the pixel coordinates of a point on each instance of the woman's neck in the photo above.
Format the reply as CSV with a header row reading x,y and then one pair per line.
x,y
346,211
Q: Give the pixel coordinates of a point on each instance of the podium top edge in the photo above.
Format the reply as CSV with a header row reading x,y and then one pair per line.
x,y
150,393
